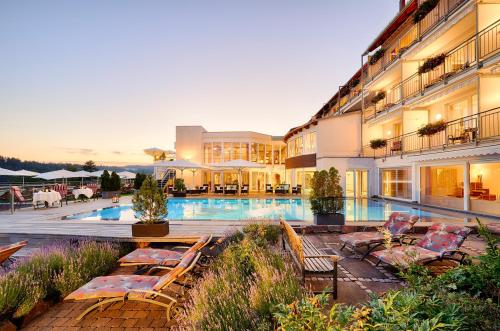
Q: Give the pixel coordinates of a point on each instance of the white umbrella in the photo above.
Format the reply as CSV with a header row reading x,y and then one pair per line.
x,y
126,175
63,173
81,174
26,173
97,173
239,165
182,165
7,172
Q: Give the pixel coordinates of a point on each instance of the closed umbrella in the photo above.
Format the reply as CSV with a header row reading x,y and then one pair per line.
x,y
26,173
238,165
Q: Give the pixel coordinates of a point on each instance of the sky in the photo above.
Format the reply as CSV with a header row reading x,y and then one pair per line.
x,y
104,79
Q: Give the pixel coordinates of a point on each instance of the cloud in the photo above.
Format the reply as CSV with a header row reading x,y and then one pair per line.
x,y
83,151
117,152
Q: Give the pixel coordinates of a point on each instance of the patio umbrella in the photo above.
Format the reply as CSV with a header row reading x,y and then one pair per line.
x,y
26,173
182,165
63,174
7,172
239,165
126,175
81,174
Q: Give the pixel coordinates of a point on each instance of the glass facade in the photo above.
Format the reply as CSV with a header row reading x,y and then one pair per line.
x,y
396,183
216,152
300,145
484,188
442,186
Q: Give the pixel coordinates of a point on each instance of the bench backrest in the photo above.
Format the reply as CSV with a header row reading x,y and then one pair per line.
x,y
294,240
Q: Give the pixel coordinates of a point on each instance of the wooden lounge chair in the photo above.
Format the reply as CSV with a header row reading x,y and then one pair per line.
x,y
143,257
398,224
269,188
7,251
149,289
442,241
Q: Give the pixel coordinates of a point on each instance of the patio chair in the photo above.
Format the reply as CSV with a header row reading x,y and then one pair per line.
x,y
218,189
297,189
7,251
398,224
204,188
282,189
244,189
94,188
18,196
442,241
63,191
146,257
149,289
269,188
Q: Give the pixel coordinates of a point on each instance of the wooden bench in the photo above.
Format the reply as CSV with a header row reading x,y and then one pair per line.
x,y
308,258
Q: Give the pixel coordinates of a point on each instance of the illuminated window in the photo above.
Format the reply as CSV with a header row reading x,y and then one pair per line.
x,y
396,183
310,143
217,152
207,153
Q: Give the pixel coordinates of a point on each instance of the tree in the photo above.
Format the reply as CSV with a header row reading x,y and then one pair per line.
x,y
150,202
115,182
139,179
72,167
105,181
89,166
326,196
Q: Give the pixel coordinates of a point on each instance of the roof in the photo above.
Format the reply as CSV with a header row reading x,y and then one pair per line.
x,y
396,22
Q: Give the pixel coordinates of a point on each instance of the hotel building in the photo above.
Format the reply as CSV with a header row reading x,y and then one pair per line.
x,y
436,67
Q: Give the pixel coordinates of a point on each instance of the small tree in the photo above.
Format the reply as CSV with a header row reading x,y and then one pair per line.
x,y
179,185
326,196
115,183
150,202
139,179
105,180
89,166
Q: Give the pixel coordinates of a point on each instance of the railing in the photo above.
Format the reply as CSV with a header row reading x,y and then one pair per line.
x,y
489,40
471,129
416,31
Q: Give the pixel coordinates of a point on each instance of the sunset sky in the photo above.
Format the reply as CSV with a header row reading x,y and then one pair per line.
x,y
103,80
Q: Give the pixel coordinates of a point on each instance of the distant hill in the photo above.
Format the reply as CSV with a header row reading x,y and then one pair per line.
x,y
13,163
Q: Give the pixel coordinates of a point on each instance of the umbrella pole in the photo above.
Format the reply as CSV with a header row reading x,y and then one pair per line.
x,y
239,182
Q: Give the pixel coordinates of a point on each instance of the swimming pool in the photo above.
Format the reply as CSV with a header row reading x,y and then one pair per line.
x,y
254,208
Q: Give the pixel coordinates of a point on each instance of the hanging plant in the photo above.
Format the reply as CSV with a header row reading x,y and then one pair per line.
x,y
354,82
431,128
379,96
378,143
345,91
424,9
431,63
376,56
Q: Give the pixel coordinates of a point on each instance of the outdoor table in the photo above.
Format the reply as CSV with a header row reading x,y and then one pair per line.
x,y
49,198
87,192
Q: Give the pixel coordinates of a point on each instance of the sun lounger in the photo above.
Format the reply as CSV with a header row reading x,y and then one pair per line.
x,y
398,224
244,189
204,188
442,241
7,251
149,289
282,189
161,257
297,189
18,196
231,189
269,188
218,189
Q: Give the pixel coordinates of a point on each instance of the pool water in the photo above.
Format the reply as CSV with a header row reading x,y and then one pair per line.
x,y
252,208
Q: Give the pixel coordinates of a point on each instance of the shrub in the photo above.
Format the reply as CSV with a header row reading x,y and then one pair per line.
x,y
326,195
431,128
431,63
105,181
138,180
378,97
376,56
115,182
424,9
179,185
150,202
263,232
378,143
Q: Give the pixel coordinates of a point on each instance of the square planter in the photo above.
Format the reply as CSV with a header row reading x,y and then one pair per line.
x,y
140,229
329,219
110,194
178,194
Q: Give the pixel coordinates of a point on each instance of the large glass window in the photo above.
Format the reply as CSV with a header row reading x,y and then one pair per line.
x,y
227,151
291,148
261,153
217,152
244,151
276,154
236,151
207,153
253,152
310,143
269,151
442,186
485,187
298,146
283,154
396,182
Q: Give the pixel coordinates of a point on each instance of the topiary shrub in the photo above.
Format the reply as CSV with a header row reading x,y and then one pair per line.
x,y
326,195
431,63
431,128
105,181
115,182
150,202
378,143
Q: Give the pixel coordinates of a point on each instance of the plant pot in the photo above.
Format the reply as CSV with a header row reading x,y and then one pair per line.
x,y
179,194
110,194
329,219
141,229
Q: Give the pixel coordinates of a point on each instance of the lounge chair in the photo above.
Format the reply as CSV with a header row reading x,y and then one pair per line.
x,y
244,189
231,189
398,224
282,189
204,188
18,196
149,289
442,241
7,251
95,190
297,189
218,189
163,257
269,188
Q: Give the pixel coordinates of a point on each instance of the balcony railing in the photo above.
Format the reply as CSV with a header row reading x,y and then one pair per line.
x,y
468,130
416,31
456,60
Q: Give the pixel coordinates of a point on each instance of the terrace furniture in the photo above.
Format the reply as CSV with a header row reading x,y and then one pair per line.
x,y
193,191
18,196
396,146
95,190
204,188
442,241
297,189
145,257
62,189
231,189
282,189
463,136
218,189
398,224
308,258
269,188
7,251
127,188
149,289
244,189
84,192
47,198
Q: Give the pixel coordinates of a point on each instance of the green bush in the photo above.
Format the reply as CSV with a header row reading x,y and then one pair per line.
x,y
326,195
179,185
138,180
105,181
262,232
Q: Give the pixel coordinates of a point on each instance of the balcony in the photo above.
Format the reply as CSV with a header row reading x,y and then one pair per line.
x,y
413,34
471,52
467,131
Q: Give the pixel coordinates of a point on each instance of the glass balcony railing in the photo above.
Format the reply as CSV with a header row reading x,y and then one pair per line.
x,y
471,129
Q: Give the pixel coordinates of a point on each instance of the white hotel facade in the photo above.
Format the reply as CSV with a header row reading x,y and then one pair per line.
x,y
389,98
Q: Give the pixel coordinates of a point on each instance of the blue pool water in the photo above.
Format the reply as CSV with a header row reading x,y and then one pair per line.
x,y
253,208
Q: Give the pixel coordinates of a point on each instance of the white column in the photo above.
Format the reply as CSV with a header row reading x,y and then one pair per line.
x,y
466,186
415,182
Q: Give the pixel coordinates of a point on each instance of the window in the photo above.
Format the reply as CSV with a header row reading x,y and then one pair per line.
x,y
485,187
207,153
291,148
442,186
298,146
269,154
261,153
253,152
244,151
217,153
235,155
396,183
227,151
283,154
310,143
276,154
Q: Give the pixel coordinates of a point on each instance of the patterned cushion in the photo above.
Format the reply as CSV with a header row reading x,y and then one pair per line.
x,y
169,278
443,237
400,223
113,286
361,238
404,255
494,228
150,256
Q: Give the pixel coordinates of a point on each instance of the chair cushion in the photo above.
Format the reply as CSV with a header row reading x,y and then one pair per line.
x,y
402,256
150,256
400,223
113,286
443,237
166,280
357,239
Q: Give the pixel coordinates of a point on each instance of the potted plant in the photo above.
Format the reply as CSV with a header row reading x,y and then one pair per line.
x,y
150,202
379,96
378,143
431,128
326,198
376,56
179,188
424,9
110,185
431,63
